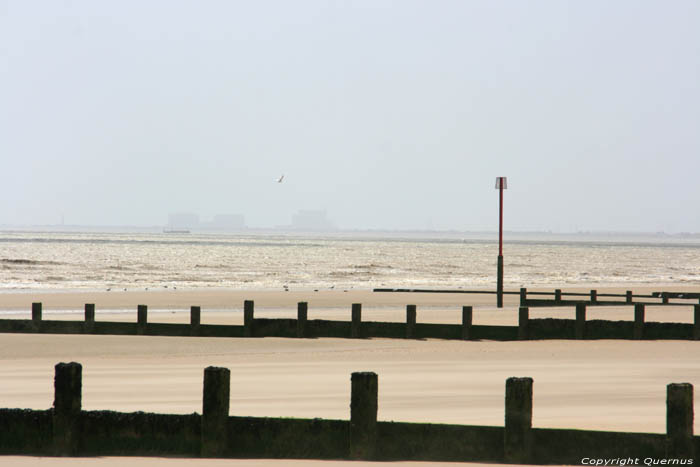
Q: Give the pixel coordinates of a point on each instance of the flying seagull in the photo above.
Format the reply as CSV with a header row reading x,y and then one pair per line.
x,y
279,180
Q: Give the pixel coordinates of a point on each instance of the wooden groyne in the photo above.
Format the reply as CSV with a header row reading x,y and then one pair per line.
x,y
67,430
302,327
593,298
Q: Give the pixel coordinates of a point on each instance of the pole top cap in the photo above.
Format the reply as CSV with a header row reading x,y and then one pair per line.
x,y
501,182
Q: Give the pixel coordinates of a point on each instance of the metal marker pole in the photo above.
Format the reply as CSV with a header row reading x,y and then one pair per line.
x,y
501,185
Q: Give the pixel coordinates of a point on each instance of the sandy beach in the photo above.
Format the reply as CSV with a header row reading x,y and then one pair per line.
x,y
605,385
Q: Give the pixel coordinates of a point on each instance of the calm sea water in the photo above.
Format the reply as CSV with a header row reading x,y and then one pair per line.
x,y
98,261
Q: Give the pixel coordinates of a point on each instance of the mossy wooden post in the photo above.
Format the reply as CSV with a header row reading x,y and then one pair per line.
x,y
195,320
523,296
302,317
628,297
89,317
363,415
67,404
215,406
466,322
557,296
36,313
248,318
696,324
580,320
410,321
518,425
594,297
523,323
356,324
141,318
679,421
638,321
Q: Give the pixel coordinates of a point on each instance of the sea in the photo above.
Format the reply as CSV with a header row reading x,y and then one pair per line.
x,y
31,261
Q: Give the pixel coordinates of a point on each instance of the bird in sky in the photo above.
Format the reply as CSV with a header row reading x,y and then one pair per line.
x,y
279,180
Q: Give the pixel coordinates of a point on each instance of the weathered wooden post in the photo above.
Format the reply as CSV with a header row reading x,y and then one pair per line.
x,y
696,324
356,325
638,321
557,296
594,297
679,421
523,323
89,316
36,313
215,407
518,426
523,296
195,320
580,320
410,321
628,297
363,415
466,322
248,318
302,316
67,404
141,319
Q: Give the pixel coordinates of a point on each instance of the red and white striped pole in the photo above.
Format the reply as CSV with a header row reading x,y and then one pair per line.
x,y
501,184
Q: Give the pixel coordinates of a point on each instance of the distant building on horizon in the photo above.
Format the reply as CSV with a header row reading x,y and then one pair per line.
x,y
311,220
183,220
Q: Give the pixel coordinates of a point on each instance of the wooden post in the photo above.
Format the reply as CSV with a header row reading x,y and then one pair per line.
x,y
141,319
557,296
580,320
89,316
523,296
638,321
363,415
410,321
628,297
195,320
36,313
248,318
594,297
215,407
302,315
67,404
518,426
679,420
356,325
696,325
466,322
523,323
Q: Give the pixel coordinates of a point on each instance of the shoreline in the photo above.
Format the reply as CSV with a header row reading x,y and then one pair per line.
x,y
227,298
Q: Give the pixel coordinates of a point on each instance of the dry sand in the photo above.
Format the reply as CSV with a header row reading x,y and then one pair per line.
x,y
606,385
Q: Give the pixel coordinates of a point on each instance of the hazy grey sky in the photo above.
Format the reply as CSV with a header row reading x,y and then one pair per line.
x,y
389,114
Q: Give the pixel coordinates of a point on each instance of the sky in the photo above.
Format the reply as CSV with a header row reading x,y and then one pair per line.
x,y
387,114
